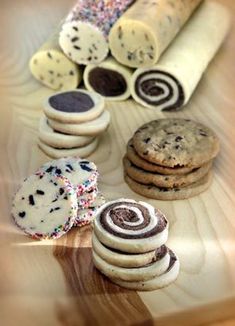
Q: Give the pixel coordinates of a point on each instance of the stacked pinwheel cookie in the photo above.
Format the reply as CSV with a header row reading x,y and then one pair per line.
x,y
128,245
72,122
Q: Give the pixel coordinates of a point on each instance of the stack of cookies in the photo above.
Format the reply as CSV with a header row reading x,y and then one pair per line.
x,y
128,245
71,123
169,159
61,194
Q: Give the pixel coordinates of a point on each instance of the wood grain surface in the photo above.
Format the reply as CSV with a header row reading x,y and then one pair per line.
x,y
54,282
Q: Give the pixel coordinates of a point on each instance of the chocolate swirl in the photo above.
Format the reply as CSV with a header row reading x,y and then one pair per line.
x,y
160,89
130,220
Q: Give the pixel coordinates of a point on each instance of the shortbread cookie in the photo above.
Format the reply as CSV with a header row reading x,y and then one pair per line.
x,y
45,206
63,152
59,140
109,78
84,33
130,226
151,167
154,192
145,30
123,259
88,197
90,128
176,143
143,273
74,106
166,181
53,68
157,282
82,174
171,82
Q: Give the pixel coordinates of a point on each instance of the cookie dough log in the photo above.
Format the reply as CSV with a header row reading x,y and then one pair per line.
x,y
52,68
108,78
145,30
170,84
84,34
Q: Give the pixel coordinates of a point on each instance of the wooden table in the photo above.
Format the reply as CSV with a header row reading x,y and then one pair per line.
x,y
55,283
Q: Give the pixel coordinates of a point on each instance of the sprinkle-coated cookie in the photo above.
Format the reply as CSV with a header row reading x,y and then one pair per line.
x,y
45,206
176,143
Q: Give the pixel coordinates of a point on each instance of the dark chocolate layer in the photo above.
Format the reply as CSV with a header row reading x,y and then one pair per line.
x,y
121,215
71,102
150,87
107,82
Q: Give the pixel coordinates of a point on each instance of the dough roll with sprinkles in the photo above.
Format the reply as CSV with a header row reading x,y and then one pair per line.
x,y
146,29
171,82
84,34
108,78
53,68
130,226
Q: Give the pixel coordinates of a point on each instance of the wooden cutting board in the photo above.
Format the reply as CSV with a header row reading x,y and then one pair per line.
x,y
55,283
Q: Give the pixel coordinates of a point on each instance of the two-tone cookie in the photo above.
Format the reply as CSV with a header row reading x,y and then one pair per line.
x,y
45,206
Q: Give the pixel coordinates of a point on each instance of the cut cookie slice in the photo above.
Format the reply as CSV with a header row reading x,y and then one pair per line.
x,y
151,167
176,142
53,68
130,226
74,106
157,282
154,192
109,78
59,140
45,206
166,181
143,273
90,128
122,259
82,174
63,152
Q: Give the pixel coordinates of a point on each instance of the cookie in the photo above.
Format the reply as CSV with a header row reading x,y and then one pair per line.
x,y
176,143
154,192
157,282
82,174
87,198
166,181
122,259
64,152
143,273
45,206
151,167
59,140
74,106
90,128
130,226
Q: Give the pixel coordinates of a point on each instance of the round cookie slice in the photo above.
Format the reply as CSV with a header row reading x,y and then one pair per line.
x,y
143,273
151,191
74,106
59,140
151,167
82,174
157,282
63,152
176,142
90,128
122,259
166,181
130,226
45,206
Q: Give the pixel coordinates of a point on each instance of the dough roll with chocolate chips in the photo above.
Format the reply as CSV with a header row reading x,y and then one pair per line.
x,y
141,35
170,84
85,32
52,68
109,78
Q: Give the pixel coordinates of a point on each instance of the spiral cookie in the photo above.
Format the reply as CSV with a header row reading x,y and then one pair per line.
x,y
130,226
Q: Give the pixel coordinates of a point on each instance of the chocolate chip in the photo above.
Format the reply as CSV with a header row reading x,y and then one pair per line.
x,y
42,221
22,198
75,28
49,55
56,209
31,200
40,192
177,146
22,214
51,210
202,133
69,166
71,73
85,167
61,191
65,197
50,169
54,200
146,140
89,58
77,47
178,138
74,39
58,171
51,72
